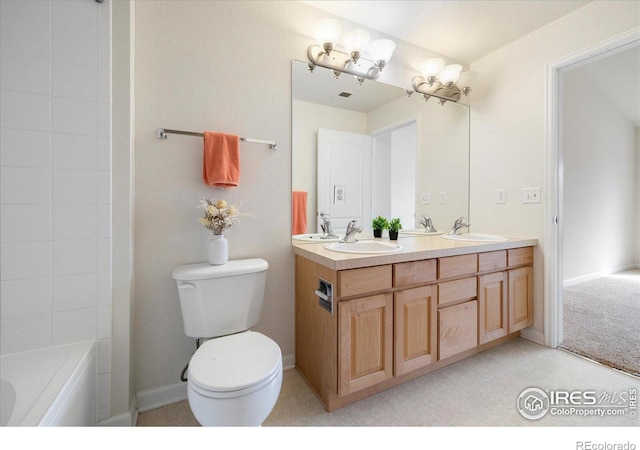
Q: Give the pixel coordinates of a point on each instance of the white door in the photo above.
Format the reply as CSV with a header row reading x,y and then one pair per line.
x,y
344,178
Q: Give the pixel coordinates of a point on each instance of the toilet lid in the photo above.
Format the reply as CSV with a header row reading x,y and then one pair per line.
x,y
234,362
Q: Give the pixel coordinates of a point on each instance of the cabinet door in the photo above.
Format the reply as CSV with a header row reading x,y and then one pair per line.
x,y
366,342
492,306
415,328
457,328
520,298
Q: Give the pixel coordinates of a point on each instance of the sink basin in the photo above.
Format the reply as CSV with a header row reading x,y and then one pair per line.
x,y
419,232
364,247
471,237
314,237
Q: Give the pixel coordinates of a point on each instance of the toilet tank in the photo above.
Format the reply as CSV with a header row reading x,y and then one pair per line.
x,y
220,300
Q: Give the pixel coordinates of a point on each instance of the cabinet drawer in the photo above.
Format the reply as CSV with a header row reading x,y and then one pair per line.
x,y
520,256
458,329
453,266
454,291
415,272
492,260
365,280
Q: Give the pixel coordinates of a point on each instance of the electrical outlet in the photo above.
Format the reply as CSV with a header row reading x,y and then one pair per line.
x,y
425,198
443,198
501,195
531,195
339,194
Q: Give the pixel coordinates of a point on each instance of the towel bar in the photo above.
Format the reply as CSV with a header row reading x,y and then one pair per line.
x,y
161,133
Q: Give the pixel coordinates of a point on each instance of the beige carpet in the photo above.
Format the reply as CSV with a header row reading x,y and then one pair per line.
x,y
602,320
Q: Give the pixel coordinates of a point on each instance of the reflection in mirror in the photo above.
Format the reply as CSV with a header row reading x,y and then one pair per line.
x,y
363,150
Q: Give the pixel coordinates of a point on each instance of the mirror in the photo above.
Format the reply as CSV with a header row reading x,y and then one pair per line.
x,y
363,150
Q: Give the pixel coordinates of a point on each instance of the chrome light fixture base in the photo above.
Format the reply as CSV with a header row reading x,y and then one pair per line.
x,y
339,62
432,88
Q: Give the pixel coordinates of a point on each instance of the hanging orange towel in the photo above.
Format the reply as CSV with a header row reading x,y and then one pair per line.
x,y
299,208
221,160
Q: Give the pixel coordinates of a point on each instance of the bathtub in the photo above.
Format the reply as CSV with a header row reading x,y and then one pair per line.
x,y
53,386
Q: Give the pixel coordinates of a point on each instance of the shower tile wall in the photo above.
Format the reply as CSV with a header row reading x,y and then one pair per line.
x,y
55,187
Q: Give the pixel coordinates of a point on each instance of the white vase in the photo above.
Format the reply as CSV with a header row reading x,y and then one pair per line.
x,y
218,249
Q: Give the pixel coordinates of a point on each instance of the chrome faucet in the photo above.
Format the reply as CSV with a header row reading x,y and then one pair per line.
x,y
350,234
459,223
326,227
428,225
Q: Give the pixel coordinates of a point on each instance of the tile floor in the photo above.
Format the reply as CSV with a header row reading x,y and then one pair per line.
x,y
479,391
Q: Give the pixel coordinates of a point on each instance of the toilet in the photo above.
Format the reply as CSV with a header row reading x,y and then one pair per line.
x,y
234,377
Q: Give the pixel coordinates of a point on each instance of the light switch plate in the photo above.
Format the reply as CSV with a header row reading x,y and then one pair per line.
x,y
425,198
443,198
531,195
501,195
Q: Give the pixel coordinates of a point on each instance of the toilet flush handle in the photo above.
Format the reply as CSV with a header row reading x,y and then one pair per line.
x,y
187,286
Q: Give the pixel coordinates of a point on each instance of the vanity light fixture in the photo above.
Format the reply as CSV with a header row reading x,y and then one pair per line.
x,y
359,57
439,80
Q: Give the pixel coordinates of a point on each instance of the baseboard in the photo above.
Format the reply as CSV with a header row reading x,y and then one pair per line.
x,y
532,335
162,396
288,362
591,276
173,393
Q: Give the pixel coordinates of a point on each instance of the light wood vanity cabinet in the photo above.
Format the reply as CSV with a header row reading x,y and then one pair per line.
x,y
493,307
457,317
366,342
415,328
520,298
394,322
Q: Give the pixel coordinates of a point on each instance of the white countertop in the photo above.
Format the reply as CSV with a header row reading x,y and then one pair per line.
x,y
413,248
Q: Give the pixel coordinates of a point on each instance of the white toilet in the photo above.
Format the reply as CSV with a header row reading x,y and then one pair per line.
x,y
235,376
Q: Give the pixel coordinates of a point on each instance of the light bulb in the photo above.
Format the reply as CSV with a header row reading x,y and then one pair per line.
x,y
382,49
431,67
327,31
450,74
356,41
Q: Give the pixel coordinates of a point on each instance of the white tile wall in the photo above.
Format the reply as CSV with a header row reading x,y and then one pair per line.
x,y
23,148
55,168
72,151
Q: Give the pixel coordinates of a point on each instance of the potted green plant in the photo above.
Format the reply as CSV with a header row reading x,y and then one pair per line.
x,y
394,227
378,224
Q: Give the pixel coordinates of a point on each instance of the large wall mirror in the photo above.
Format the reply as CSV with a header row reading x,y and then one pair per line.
x,y
363,150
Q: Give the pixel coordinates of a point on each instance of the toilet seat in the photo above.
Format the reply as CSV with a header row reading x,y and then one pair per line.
x,y
235,365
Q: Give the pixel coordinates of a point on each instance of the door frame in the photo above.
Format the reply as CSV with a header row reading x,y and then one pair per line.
x,y
554,202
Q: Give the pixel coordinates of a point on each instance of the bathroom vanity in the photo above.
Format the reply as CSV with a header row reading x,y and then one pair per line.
x,y
368,322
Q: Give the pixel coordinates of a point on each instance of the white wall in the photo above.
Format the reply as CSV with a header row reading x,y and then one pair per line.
x,y
637,191
205,66
599,180
56,173
508,140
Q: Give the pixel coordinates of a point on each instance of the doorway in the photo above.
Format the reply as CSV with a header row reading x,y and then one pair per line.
x,y
592,182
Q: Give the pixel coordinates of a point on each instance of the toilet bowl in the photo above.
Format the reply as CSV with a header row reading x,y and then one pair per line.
x,y
235,380
235,376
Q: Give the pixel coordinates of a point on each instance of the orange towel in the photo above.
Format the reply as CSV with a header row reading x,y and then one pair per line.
x,y
299,212
221,160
